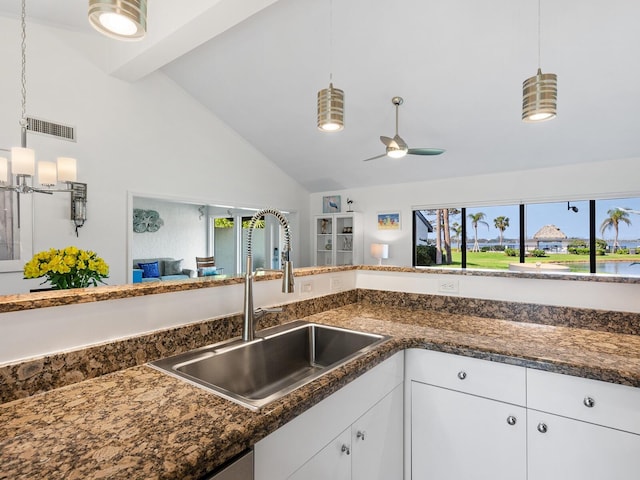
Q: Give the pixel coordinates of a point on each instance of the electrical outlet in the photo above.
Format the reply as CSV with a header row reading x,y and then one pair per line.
x,y
448,286
335,284
306,287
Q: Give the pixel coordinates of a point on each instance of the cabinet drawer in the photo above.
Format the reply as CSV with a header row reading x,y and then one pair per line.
x,y
497,381
602,403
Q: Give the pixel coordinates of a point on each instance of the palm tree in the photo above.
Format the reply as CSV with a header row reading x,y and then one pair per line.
x,y
616,216
477,218
456,228
447,234
501,223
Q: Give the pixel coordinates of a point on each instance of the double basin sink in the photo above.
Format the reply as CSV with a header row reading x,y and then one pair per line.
x,y
277,362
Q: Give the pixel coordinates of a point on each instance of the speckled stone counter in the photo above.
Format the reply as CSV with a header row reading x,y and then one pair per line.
x,y
141,424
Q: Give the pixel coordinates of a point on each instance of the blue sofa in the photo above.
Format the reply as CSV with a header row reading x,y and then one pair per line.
x,y
168,269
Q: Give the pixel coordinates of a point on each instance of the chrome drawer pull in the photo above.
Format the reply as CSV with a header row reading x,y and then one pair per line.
x,y
345,449
511,420
462,374
589,402
360,435
542,427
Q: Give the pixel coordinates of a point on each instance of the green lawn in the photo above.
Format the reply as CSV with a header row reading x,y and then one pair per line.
x,y
500,261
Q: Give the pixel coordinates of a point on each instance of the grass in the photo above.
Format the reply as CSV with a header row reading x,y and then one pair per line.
x,y
500,261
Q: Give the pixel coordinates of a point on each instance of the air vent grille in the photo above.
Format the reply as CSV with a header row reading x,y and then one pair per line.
x,y
58,130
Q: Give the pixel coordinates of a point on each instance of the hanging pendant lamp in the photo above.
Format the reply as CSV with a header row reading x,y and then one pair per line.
x,y
540,92
330,100
119,19
330,109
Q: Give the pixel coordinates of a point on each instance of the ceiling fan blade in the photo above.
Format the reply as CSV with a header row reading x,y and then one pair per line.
x,y
373,158
386,140
400,142
425,151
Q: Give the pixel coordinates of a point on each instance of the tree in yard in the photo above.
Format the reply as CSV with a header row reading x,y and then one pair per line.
x,y
615,218
438,237
501,223
456,228
446,230
477,218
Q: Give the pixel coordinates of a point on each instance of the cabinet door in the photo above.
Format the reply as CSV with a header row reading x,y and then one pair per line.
x,y
565,449
377,439
324,241
460,436
332,462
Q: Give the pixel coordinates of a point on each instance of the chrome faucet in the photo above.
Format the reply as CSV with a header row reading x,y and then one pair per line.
x,y
248,324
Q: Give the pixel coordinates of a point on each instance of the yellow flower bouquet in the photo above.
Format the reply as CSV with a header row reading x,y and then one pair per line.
x,y
67,268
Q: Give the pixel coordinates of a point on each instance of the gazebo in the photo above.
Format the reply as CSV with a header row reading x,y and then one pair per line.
x,y
551,234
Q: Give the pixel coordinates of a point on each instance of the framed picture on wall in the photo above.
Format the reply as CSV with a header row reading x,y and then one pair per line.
x,y
331,204
389,221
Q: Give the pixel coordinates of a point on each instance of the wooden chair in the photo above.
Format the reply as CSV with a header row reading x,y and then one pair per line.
x,y
203,262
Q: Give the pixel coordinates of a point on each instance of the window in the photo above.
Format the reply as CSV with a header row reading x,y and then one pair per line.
x,y
579,236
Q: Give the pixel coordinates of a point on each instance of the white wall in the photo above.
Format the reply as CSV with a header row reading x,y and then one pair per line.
x,y
149,137
604,179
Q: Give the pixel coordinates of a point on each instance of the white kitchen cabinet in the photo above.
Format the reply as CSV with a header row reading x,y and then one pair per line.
x,y
332,462
459,426
370,449
566,449
372,403
338,239
582,429
376,440
456,435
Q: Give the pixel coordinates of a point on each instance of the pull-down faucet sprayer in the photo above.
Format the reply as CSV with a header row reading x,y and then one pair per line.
x,y
248,324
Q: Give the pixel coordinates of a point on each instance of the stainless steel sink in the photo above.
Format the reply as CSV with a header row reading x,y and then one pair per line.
x,y
278,361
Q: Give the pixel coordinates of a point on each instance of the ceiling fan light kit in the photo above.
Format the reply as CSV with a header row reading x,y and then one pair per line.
x,y
330,109
540,92
396,147
119,19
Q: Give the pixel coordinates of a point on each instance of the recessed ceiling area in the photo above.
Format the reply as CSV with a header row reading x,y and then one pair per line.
x,y
458,65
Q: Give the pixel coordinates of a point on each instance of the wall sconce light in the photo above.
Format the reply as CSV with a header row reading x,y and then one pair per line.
x,y
573,208
379,251
78,204
22,163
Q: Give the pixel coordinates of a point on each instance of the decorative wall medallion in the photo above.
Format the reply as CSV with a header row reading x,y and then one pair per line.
x,y
146,221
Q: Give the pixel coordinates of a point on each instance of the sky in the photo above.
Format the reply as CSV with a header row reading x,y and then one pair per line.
x,y
573,224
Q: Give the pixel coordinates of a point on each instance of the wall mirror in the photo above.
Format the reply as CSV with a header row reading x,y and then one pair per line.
x,y
173,233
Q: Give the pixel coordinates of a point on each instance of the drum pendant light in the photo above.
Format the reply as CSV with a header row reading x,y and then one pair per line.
x,y
330,100
119,19
540,92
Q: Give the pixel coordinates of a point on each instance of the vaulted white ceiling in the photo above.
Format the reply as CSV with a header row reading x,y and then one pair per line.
x,y
459,65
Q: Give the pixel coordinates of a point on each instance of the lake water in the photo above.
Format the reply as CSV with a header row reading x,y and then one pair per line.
x,y
618,268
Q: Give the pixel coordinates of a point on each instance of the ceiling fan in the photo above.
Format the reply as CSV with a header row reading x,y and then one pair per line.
x,y
397,147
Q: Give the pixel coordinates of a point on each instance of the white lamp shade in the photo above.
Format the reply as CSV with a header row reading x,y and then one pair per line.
x,y
4,170
47,174
67,171
23,161
379,250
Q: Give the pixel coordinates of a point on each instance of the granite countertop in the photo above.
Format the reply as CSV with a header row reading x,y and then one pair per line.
x,y
142,424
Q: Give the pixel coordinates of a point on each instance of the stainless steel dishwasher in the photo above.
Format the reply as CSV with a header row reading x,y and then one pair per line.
x,y
239,468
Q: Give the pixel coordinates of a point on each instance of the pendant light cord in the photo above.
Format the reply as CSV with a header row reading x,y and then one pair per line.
x,y
23,78
539,35
330,41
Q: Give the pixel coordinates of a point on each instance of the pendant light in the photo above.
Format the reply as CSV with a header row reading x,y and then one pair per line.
x,y
330,100
119,19
540,92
